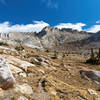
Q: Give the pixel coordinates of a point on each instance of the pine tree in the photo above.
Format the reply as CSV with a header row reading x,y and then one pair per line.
x,y
99,54
92,53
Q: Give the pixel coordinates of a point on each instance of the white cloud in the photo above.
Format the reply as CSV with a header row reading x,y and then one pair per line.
x,y
50,3
77,26
93,29
36,26
98,21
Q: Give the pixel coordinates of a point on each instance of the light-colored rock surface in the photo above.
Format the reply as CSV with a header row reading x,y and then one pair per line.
x,y
92,91
17,62
15,69
23,74
24,89
22,98
6,78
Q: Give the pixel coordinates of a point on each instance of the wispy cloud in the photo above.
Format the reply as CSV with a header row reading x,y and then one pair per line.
x,y
77,26
3,2
98,21
50,3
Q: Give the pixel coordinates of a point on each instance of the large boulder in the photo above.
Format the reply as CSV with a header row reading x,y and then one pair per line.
x,y
91,74
6,78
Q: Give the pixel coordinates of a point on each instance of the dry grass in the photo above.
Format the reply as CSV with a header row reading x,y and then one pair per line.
x,y
62,82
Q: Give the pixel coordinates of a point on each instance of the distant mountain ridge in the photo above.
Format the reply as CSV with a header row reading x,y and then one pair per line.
x,y
51,37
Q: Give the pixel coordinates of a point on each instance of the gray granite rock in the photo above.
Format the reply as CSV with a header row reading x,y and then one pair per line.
x,y
6,78
91,74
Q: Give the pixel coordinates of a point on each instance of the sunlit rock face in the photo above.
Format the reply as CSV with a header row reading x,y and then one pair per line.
x,y
25,38
54,37
6,78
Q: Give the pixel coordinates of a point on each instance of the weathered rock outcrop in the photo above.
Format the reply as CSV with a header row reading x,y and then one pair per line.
x,y
91,74
6,78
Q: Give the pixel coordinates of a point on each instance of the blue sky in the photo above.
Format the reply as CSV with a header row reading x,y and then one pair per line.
x,y
51,12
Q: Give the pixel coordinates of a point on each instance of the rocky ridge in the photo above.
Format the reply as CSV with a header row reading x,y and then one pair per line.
x,y
51,38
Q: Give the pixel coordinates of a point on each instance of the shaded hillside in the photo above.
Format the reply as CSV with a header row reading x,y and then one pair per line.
x,y
90,42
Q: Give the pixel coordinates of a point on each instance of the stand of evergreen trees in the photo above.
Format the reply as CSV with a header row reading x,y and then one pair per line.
x,y
95,60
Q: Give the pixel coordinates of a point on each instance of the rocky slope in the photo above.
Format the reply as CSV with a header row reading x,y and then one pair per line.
x,y
93,41
40,77
16,38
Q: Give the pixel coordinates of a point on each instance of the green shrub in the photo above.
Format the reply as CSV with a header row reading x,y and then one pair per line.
x,y
47,50
55,56
63,55
3,44
94,60
98,54
19,48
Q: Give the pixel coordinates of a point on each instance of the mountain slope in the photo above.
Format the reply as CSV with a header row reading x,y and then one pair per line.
x,y
52,38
